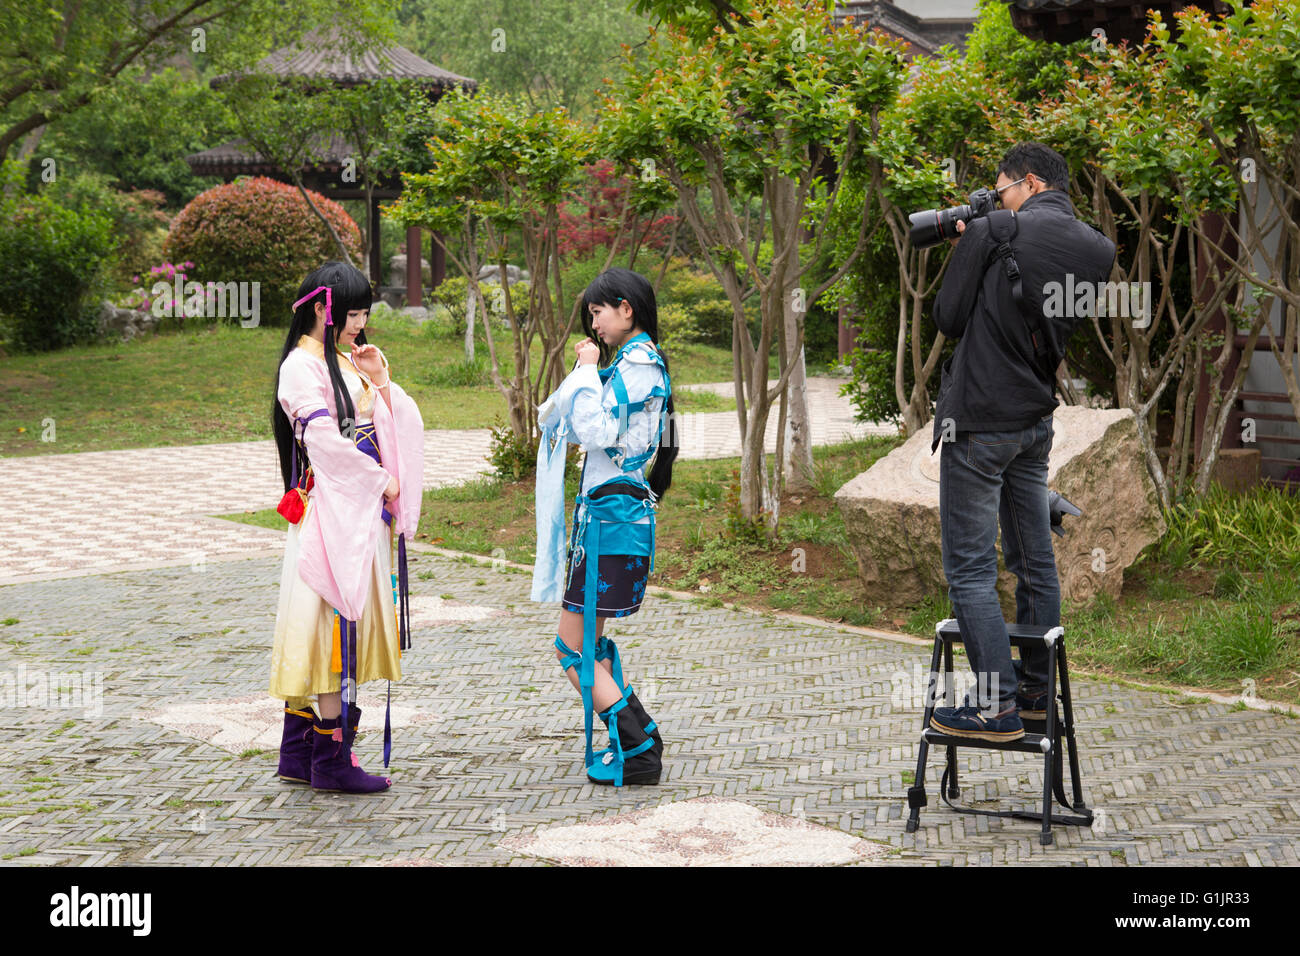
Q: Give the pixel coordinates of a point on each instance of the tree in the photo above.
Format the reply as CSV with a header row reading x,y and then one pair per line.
x,y
290,125
140,131
1241,75
746,127
497,170
56,59
1144,174
547,52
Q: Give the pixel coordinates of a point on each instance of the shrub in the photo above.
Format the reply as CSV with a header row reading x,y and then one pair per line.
x,y
700,294
52,261
676,326
259,230
139,223
450,294
511,457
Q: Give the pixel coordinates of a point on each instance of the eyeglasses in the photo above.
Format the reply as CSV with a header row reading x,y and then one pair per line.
x,y
998,191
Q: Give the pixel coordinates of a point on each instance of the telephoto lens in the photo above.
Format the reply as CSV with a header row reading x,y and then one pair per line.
x,y
932,226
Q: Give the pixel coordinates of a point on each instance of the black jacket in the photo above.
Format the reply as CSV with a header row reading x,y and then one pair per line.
x,y
992,382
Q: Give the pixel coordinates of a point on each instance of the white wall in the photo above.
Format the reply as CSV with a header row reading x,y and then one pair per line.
x,y
939,9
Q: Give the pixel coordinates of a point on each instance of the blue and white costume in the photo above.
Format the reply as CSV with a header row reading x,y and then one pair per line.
x,y
618,415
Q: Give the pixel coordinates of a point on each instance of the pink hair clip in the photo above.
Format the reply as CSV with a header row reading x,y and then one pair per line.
x,y
329,302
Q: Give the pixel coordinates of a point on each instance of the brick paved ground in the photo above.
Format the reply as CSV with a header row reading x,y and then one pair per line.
x,y
165,750
147,507
778,715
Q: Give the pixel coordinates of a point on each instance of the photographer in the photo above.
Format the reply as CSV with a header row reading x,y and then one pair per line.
x,y
994,415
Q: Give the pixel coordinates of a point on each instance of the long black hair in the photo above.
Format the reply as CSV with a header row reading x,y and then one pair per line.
x,y
349,291
623,285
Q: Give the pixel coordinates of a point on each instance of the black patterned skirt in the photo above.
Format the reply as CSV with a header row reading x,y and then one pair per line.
x,y
620,584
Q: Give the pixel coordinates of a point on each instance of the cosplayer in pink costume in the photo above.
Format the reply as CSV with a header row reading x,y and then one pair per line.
x,y
351,446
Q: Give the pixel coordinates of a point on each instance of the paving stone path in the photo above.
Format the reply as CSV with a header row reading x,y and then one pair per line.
x,y
139,731
150,507
764,715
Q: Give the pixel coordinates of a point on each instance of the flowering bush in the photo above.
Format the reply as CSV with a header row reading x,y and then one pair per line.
x,y
142,294
259,230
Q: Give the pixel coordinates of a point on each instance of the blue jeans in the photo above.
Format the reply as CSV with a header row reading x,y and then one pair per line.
x,y
984,478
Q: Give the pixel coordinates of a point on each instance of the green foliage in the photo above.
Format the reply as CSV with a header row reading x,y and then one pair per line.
x,y
140,131
1211,642
494,160
1241,71
699,294
1027,70
259,230
59,59
550,57
52,261
1252,531
460,374
744,530
450,294
676,326
138,224
698,18
512,458
761,98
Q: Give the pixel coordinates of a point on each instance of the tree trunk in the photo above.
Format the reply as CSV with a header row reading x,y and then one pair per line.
x,y
798,432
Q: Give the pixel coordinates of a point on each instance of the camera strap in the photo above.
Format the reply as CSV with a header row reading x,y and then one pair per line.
x,y
1003,227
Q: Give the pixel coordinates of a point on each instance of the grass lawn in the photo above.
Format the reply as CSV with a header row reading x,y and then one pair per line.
x,y
1189,614
215,385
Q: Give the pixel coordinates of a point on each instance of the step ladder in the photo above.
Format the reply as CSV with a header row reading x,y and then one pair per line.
x,y
1050,737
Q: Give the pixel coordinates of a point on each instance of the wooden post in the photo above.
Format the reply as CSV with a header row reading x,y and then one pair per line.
x,y
376,267
413,257
848,332
437,261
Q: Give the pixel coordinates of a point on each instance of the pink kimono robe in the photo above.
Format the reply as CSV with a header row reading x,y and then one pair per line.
x,y
341,545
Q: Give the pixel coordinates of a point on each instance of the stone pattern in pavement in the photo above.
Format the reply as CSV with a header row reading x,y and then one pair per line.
x,y
149,507
782,716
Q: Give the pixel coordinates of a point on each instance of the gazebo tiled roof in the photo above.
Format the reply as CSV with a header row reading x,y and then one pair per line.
x,y
1064,21
317,57
236,158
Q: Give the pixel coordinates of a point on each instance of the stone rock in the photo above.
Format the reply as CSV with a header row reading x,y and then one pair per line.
x,y
397,273
417,312
891,512
492,273
126,323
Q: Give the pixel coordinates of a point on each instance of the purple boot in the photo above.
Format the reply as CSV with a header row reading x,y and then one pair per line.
x,y
295,746
334,768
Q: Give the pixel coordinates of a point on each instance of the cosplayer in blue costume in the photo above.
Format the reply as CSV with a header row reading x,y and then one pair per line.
x,y
620,412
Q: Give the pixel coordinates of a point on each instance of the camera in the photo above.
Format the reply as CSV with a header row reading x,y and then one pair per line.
x,y
932,226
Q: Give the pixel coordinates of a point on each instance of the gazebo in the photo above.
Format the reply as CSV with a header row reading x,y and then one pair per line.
x,y
319,61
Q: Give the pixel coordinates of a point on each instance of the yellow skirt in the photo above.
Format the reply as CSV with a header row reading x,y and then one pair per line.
x,y
304,628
